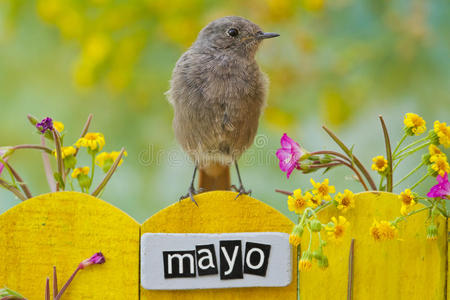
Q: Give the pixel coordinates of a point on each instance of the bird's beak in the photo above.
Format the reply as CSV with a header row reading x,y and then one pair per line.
x,y
267,35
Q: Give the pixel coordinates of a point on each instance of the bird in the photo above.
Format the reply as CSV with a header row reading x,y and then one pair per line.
x,y
218,94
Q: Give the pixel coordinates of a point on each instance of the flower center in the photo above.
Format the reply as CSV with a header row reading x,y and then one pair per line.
x,y
339,230
345,201
323,189
299,202
380,163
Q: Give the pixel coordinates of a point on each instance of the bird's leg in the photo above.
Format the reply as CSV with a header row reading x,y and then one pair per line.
x,y
191,190
241,190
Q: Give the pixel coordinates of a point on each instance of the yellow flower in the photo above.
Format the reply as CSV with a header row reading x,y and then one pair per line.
x,y
337,231
305,262
345,201
314,202
322,190
440,164
298,202
105,158
59,126
408,200
80,171
380,164
383,230
414,124
66,151
432,232
434,150
407,197
294,240
443,132
92,140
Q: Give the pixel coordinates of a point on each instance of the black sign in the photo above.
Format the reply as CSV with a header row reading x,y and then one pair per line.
x,y
179,264
206,260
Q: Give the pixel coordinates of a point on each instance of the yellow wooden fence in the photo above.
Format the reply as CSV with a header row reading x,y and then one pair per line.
x,y
63,228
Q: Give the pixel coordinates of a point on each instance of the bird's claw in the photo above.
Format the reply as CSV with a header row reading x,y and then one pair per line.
x,y
241,191
191,193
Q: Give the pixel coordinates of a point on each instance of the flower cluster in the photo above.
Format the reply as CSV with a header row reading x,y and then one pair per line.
x,y
66,158
307,204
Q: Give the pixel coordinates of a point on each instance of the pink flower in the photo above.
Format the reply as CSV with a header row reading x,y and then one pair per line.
x,y
442,189
289,154
97,258
2,152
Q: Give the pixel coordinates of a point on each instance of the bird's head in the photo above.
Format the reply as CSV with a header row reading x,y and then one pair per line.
x,y
232,34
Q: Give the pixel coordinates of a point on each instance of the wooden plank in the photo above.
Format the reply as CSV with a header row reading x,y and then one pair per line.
x,y
409,267
62,229
218,212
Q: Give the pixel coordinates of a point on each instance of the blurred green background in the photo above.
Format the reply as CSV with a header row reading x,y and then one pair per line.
x,y
340,63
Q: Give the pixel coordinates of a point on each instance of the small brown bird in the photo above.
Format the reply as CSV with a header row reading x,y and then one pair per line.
x,y
218,93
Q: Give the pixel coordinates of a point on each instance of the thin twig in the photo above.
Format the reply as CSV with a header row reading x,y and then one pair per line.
x,y
284,192
389,175
22,184
12,189
55,283
48,168
352,157
47,289
108,175
84,131
360,179
30,146
332,153
58,155
350,271
66,285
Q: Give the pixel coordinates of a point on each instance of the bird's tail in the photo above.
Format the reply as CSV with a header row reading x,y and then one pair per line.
x,y
214,177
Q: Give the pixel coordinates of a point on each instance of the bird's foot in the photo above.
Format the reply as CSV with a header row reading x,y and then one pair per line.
x,y
191,192
241,191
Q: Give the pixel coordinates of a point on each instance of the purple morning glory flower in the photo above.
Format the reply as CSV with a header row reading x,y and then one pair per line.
x,y
289,154
44,125
442,189
97,258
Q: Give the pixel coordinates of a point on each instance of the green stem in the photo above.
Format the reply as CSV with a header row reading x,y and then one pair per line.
x,y
400,142
321,208
420,181
108,174
8,168
405,154
352,157
381,182
412,144
402,218
332,153
22,184
310,237
59,159
389,174
409,174
92,172
12,189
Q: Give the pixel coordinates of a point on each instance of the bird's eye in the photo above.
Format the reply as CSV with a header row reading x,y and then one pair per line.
x,y
233,32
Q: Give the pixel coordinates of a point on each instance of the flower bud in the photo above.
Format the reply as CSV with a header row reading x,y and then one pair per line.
x,y
323,262
84,181
325,159
70,162
432,232
315,225
426,159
